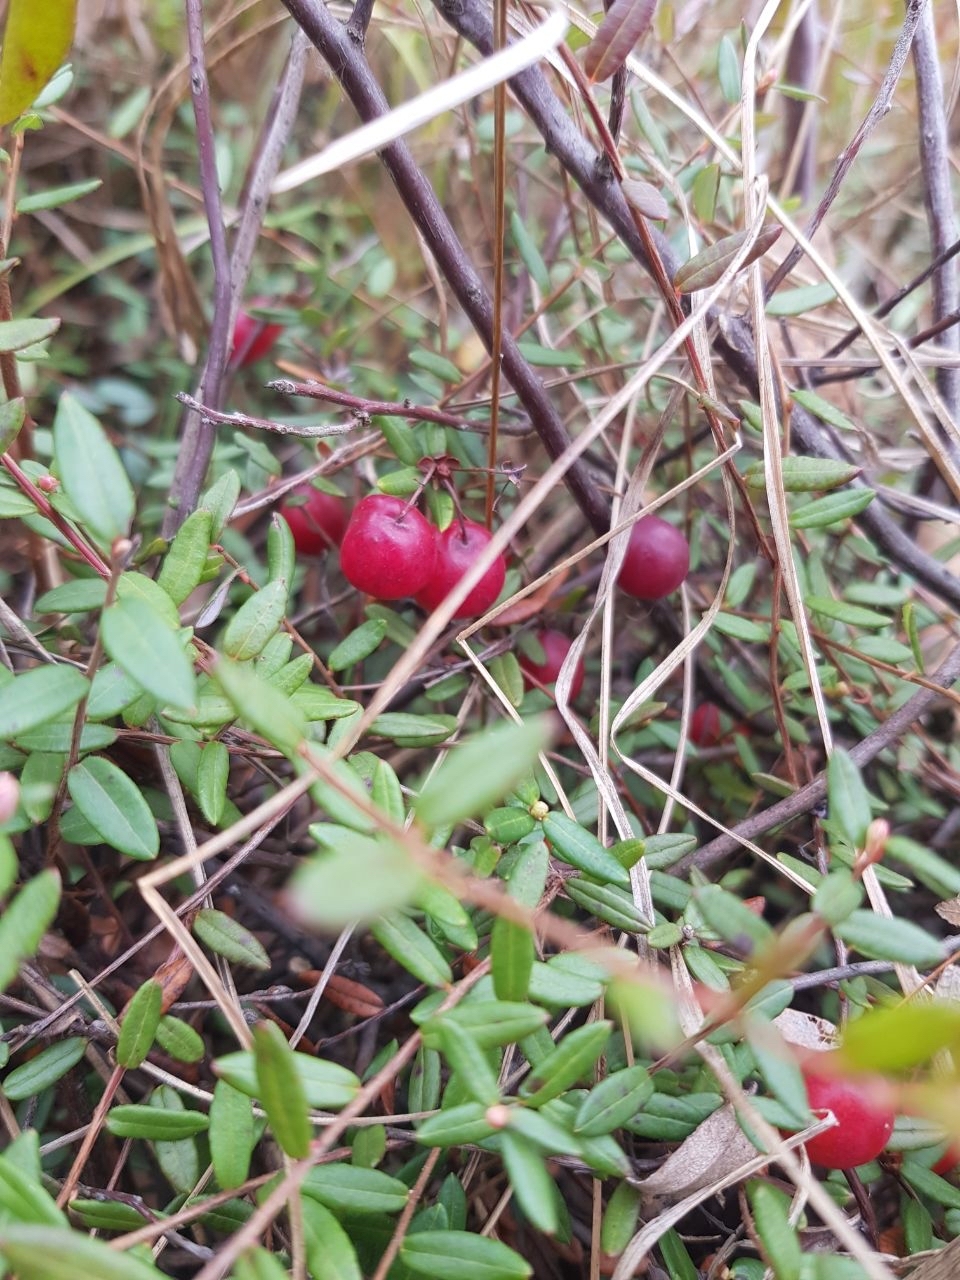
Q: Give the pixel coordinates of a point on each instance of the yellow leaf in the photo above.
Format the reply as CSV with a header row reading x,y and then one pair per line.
x,y
36,41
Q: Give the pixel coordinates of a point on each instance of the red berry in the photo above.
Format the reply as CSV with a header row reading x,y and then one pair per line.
x,y
252,338
389,550
555,647
948,1161
657,559
317,523
458,548
863,1127
705,725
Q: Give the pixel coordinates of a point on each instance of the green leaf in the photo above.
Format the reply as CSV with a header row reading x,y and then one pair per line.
x,y
231,1135
490,1022
24,921
731,919
462,1254
38,696
281,1091
219,500
481,772
575,845
512,953
258,1264
456,1126
613,1101
805,475
45,1069
57,1253
361,878
675,1255
779,1070
731,624
180,1040
608,902
728,70
408,730
271,713
895,1038
16,335
255,622
326,1085
184,563
797,302
109,1215
350,1188
213,773
529,252
359,644
412,949
620,1218
466,1060
847,798
227,937
567,981
54,197
531,1181
330,1251
142,644
93,476
883,938
438,365
36,40
574,1056
178,1157
114,806
771,1218
138,1029
79,596
823,409
837,895
140,1120
135,586
854,615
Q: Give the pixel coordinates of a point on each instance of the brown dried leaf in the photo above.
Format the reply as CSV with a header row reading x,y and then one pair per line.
x,y
950,910
715,1149
706,267
646,199
532,605
806,1029
173,976
622,26
346,994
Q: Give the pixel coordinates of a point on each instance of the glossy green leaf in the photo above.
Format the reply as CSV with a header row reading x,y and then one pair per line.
x,y
272,714
854,615
531,1181
281,551
832,508
771,1218
330,1251
482,771
140,1120
231,1134
608,902
512,953
732,920
219,500
179,1040
57,1253
79,596
326,1085
141,642
613,1101
465,1058
24,921
16,335
92,474
255,622
350,1188
882,938
38,696
184,563
114,806
54,197
45,1069
258,1264
847,798
213,772
178,1156
461,1253
574,1056
837,895
620,1218
456,1126
575,845
138,1027
359,644
490,1022
107,1215
280,1090
227,937
779,1070
805,475
401,938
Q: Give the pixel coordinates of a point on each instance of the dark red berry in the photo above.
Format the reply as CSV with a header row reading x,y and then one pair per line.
x,y
252,338
317,523
389,550
458,548
948,1161
864,1122
657,559
705,728
555,646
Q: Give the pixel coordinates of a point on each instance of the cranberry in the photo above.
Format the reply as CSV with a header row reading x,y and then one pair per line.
x,y
458,548
555,647
863,1123
252,338
705,725
317,523
948,1161
657,559
389,550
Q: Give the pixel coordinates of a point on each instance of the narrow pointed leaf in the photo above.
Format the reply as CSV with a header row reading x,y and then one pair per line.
x,y
93,476
281,1090
138,1028
622,26
706,267
227,937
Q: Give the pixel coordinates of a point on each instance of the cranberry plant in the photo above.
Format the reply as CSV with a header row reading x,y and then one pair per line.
x,y
471,813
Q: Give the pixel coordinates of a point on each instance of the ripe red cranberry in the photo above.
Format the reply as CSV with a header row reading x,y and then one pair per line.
x,y
705,728
657,559
389,550
948,1161
458,547
317,523
555,647
864,1123
252,338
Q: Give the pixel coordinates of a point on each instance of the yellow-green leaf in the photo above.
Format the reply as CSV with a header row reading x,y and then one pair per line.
x,y
36,40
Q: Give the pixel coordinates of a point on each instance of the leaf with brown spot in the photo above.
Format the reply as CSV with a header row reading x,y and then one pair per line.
x,y
623,25
706,267
36,40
